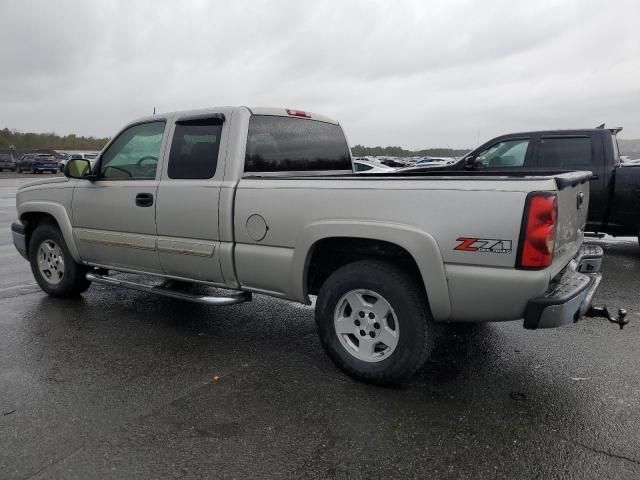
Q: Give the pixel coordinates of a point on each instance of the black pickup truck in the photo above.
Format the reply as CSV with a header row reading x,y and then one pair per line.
x,y
614,206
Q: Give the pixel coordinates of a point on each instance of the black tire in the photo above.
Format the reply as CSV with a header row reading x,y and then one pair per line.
x,y
406,297
73,282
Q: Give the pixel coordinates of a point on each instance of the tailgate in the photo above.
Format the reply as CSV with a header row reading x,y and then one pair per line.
x,y
573,206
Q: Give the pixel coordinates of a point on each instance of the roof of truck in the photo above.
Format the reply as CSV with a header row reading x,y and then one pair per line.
x,y
273,111
568,131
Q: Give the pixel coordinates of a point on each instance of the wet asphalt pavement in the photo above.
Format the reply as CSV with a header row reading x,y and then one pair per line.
x,y
121,385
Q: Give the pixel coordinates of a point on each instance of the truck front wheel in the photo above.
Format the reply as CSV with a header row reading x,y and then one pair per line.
x,y
53,266
374,322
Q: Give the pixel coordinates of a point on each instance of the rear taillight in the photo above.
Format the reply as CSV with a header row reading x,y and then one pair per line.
x,y
538,232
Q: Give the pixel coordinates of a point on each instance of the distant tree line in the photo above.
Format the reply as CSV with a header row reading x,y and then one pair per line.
x,y
20,142
362,151
30,141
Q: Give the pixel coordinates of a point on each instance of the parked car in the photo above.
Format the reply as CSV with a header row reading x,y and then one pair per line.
x,y
37,163
433,161
367,166
391,163
69,156
24,162
7,162
614,205
264,200
66,158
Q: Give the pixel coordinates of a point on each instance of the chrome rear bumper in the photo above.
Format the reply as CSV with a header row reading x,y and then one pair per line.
x,y
570,294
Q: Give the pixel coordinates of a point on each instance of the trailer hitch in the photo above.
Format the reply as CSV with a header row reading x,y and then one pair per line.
x,y
603,312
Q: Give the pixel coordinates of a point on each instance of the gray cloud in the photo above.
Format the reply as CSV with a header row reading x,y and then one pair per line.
x,y
408,73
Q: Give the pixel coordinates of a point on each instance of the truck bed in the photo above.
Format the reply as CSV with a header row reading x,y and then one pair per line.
x,y
431,209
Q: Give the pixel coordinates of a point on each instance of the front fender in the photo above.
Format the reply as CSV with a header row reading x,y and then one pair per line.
x,y
59,213
420,245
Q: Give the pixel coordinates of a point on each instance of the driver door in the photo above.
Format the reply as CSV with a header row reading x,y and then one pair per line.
x,y
114,217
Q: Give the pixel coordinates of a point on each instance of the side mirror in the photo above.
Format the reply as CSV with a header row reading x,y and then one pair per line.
x,y
470,163
77,168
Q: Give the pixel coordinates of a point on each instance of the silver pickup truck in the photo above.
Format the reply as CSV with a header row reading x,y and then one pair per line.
x,y
264,200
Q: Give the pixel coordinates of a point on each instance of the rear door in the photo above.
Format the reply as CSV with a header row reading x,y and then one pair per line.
x,y
577,152
188,198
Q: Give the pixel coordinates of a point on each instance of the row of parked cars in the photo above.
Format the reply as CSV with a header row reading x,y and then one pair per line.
x,y
387,164
39,162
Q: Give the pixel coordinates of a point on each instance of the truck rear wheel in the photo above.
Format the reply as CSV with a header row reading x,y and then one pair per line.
x,y
53,266
374,322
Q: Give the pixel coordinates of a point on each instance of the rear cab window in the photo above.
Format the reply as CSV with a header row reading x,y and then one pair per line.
x,y
616,150
283,144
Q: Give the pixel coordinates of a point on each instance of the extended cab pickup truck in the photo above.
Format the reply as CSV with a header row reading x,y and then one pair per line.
x,y
264,200
614,205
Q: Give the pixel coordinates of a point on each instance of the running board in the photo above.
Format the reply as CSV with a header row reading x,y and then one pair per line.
x,y
166,292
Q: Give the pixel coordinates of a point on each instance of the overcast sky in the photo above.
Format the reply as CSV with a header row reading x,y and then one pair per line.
x,y
411,73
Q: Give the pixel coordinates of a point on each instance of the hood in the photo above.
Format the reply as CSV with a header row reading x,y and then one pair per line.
x,y
44,181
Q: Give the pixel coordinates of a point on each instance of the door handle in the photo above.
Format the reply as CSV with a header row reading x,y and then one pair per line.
x,y
144,199
594,177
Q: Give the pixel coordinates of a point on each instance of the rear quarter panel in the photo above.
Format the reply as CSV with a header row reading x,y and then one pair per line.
x,y
442,211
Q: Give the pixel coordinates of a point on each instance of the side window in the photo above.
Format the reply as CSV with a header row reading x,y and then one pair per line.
x,y
194,149
568,152
509,153
134,154
280,144
361,167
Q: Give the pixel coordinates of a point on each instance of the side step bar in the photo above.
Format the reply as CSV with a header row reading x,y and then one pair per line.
x,y
166,292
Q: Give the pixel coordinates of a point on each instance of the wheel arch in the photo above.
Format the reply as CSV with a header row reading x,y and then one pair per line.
x,y
34,213
409,244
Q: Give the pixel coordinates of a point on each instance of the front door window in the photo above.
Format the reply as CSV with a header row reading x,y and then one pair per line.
x,y
134,154
509,153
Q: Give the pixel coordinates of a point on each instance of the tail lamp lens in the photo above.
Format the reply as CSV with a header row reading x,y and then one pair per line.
x,y
538,236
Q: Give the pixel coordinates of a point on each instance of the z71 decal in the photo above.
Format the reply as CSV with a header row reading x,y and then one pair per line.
x,y
493,245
